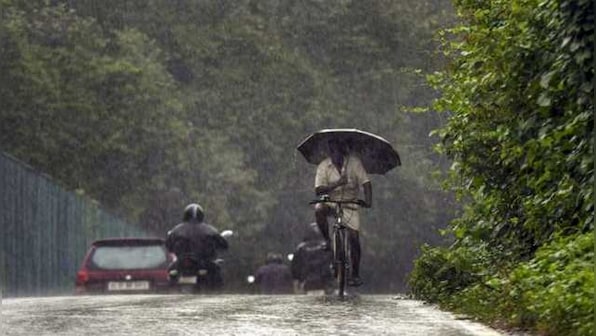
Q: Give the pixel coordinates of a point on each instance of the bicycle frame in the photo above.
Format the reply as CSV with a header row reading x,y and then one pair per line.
x,y
341,251
340,246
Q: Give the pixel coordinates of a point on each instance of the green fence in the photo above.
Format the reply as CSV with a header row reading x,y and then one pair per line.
x,y
46,231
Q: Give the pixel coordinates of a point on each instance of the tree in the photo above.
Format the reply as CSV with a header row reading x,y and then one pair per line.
x,y
75,102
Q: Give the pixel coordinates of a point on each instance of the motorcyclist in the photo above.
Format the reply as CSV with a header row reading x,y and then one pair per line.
x,y
274,277
311,262
197,239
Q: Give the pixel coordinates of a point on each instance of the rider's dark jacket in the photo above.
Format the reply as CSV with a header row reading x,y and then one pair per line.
x,y
274,278
197,238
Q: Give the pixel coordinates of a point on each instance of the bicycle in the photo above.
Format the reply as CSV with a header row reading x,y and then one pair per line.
x,y
340,244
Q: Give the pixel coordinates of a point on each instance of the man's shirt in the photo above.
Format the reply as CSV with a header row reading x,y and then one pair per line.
x,y
327,173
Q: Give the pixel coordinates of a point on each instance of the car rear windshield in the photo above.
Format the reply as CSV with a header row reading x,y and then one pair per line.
x,y
128,257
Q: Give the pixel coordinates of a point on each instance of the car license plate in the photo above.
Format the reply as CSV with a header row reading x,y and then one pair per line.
x,y
128,285
188,280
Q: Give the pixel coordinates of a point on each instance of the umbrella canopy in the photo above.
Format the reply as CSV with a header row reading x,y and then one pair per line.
x,y
377,154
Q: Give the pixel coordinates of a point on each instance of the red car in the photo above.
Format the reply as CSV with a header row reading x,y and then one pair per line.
x,y
124,265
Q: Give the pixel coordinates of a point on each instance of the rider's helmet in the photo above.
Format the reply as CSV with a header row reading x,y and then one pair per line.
x,y
193,212
273,257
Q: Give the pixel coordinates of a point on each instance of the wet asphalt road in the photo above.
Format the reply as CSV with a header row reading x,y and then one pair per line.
x,y
229,315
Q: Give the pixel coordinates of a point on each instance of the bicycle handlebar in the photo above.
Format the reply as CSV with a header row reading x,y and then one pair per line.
x,y
356,202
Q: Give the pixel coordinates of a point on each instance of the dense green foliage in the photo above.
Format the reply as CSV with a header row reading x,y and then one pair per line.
x,y
519,90
555,290
553,293
84,105
146,105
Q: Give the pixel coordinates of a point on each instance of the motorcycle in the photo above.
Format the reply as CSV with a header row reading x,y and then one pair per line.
x,y
318,284
193,275
251,280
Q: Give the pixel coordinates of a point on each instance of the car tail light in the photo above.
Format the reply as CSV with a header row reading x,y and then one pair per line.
x,y
82,277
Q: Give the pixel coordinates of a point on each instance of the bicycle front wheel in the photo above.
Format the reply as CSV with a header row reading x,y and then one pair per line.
x,y
340,262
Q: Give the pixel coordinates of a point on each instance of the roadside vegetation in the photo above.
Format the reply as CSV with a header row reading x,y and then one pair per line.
x,y
519,95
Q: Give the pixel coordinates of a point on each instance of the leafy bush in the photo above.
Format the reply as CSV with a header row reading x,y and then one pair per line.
x,y
551,294
519,93
425,280
556,289
439,272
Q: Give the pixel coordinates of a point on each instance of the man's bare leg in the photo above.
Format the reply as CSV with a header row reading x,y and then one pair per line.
x,y
354,239
321,213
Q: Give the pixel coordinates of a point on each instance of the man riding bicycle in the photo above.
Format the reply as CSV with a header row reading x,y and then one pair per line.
x,y
340,176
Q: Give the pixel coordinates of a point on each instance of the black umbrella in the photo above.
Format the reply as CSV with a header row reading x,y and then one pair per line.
x,y
377,154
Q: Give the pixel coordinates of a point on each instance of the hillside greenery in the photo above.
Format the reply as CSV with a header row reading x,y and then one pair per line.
x,y
147,105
